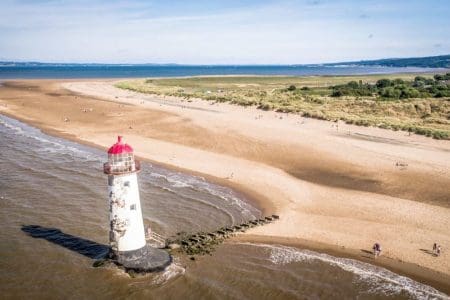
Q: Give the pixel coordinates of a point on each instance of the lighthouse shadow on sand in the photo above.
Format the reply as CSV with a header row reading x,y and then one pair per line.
x,y
82,246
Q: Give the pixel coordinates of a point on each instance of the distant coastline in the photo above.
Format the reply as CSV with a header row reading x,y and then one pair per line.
x,y
43,70
439,61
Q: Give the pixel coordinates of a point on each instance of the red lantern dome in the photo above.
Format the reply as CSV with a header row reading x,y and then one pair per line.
x,y
120,147
120,159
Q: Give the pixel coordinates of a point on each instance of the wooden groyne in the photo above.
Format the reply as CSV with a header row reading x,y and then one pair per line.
x,y
202,243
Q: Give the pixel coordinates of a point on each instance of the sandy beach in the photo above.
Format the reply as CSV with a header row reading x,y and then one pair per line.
x,y
340,186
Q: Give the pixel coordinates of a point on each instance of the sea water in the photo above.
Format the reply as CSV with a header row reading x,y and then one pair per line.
x,y
52,71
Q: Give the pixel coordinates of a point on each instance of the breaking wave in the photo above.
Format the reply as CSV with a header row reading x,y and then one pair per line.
x,y
179,181
380,280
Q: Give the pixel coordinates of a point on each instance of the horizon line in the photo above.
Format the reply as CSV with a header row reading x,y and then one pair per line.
x,y
218,64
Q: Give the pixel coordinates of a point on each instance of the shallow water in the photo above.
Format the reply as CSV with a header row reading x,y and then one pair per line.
x,y
53,183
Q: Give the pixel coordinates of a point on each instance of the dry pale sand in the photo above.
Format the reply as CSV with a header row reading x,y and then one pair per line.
x,y
346,187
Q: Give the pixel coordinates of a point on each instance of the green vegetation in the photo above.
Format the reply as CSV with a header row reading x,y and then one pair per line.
x,y
420,87
413,103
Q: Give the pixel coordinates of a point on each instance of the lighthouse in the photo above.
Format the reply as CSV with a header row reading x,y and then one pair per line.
x,y
127,235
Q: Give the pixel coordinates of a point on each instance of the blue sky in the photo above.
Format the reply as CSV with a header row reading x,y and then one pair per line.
x,y
221,32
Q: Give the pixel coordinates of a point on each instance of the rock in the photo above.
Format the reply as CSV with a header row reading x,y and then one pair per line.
x,y
99,263
174,246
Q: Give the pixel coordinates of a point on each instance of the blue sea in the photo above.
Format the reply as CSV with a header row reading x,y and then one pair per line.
x,y
43,71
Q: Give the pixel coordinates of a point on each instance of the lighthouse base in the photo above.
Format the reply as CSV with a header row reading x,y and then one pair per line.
x,y
145,259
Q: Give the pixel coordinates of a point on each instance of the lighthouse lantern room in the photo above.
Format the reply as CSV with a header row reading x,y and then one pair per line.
x,y
127,235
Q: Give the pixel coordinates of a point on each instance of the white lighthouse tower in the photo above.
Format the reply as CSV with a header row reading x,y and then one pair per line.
x,y
127,235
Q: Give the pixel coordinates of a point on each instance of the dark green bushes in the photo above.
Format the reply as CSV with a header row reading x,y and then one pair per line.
x,y
353,88
291,88
421,87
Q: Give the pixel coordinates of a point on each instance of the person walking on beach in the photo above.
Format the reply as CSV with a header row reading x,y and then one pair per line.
x,y
435,248
376,249
438,250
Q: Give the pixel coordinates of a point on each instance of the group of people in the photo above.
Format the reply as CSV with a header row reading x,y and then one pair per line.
x,y
377,249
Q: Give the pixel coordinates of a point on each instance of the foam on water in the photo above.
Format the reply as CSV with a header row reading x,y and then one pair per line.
x,y
47,143
207,203
379,279
171,272
178,180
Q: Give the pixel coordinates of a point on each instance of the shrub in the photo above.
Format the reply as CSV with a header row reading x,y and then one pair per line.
x,y
291,88
390,92
419,78
441,94
429,81
398,81
265,106
353,85
382,83
441,135
337,93
407,92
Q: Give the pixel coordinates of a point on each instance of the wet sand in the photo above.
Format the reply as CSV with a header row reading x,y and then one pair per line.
x,y
347,187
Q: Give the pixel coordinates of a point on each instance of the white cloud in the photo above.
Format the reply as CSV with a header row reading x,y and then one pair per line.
x,y
287,32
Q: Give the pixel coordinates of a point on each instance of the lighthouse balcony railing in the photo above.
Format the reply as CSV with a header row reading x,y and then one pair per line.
x,y
121,169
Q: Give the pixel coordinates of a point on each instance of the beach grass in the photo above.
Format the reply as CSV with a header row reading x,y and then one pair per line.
x,y
310,96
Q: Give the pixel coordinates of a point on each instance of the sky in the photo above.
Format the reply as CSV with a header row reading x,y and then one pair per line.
x,y
221,32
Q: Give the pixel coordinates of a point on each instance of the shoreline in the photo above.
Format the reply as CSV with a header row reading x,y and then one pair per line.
x,y
410,270
251,197
261,199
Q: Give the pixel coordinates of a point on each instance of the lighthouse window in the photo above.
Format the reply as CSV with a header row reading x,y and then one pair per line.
x,y
126,183
133,207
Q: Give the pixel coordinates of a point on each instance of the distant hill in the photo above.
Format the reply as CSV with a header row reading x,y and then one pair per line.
x,y
441,61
